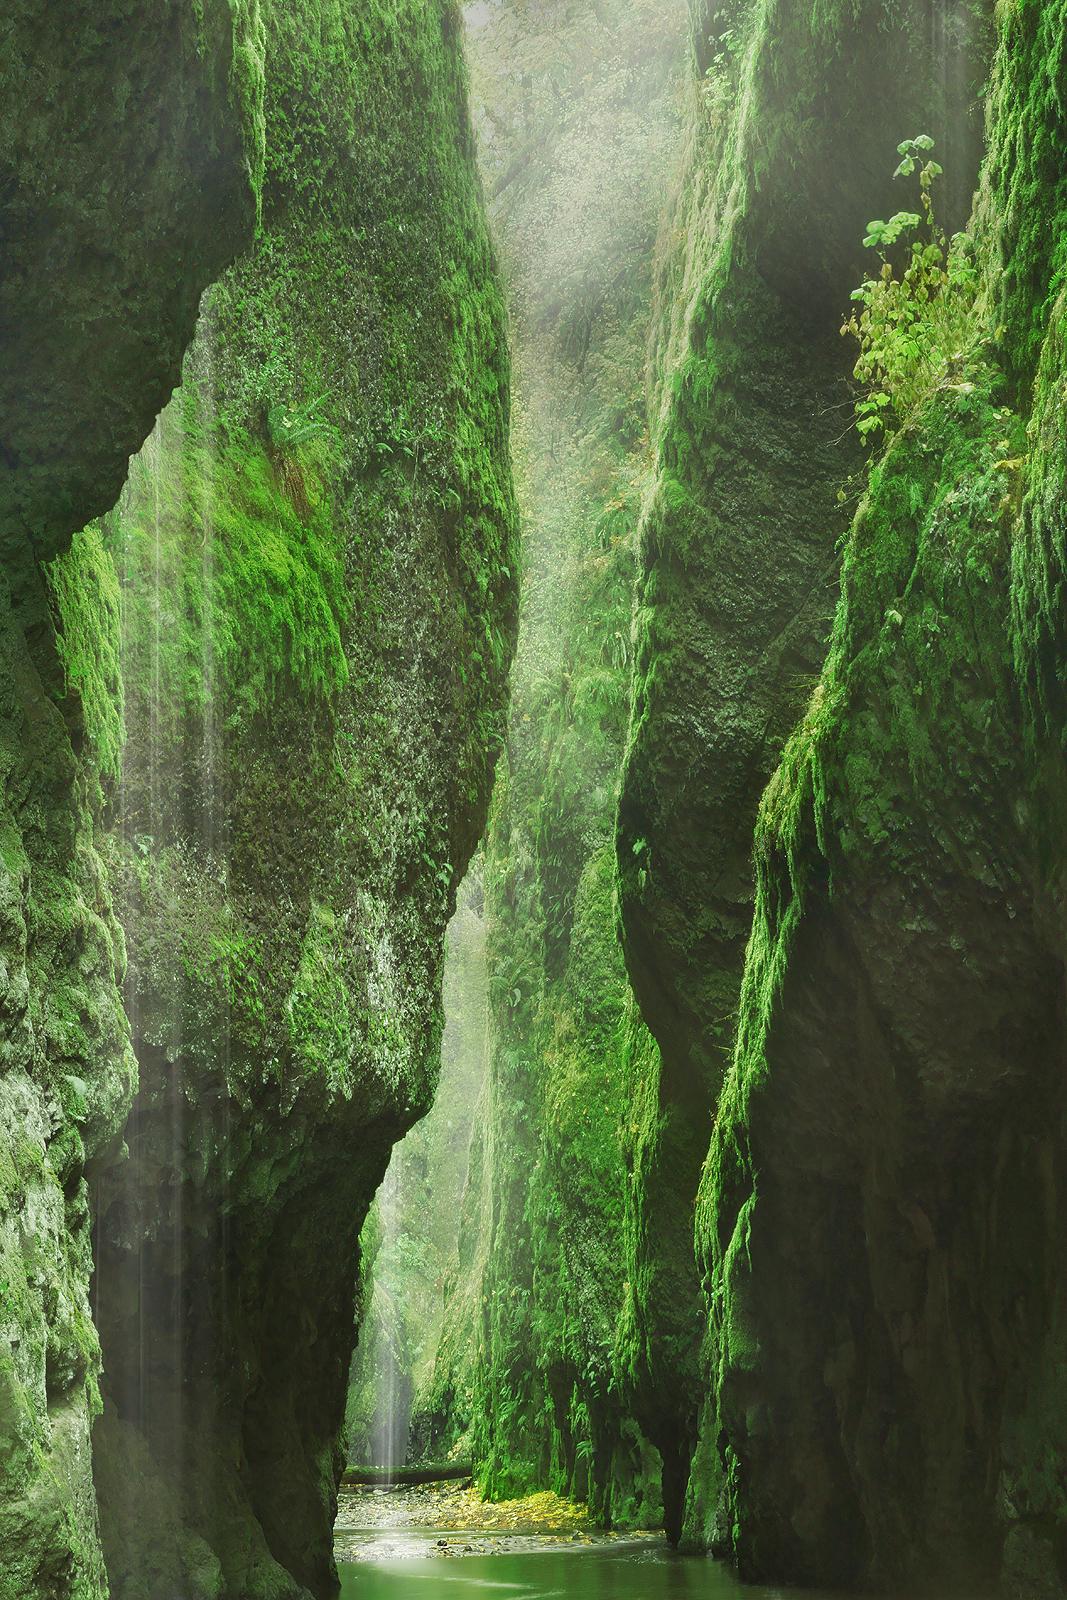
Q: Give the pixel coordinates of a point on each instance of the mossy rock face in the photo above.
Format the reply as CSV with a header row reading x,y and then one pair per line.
x,y
114,219
795,116
881,1222
314,554
260,700
531,1377
66,1083
794,131
874,1027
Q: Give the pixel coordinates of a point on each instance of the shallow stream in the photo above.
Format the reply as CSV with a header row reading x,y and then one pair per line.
x,y
439,1542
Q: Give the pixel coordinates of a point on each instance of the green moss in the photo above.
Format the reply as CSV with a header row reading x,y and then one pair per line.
x,y
247,87
1023,195
233,574
540,1293
86,595
317,624
320,1010
1020,211
917,782
922,584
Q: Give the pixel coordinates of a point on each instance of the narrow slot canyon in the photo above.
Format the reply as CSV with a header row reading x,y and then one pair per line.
x,y
533,824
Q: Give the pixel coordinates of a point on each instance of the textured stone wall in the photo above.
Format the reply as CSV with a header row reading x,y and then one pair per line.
x,y
794,116
254,708
885,1180
576,110
113,220
878,1216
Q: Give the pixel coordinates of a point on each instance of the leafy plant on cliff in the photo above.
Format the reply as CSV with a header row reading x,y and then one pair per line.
x,y
910,328
289,425
725,45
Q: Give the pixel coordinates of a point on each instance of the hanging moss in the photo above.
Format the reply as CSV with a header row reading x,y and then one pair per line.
x,y
86,595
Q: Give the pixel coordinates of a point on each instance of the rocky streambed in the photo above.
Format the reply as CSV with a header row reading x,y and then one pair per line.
x,y
438,1520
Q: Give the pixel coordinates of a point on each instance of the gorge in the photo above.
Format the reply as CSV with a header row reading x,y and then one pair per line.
x,y
533,645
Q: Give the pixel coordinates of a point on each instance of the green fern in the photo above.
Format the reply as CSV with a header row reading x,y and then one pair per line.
x,y
289,426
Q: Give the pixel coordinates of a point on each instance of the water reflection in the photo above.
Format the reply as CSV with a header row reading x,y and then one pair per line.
x,y
588,1574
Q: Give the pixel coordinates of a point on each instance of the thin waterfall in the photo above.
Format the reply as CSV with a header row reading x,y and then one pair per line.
x,y
413,1238
141,1390
390,1427
213,796
169,798
129,1381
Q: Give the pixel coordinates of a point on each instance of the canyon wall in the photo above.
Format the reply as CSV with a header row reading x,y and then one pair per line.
x,y
879,1223
251,716
881,1218
775,859
113,221
794,119
576,112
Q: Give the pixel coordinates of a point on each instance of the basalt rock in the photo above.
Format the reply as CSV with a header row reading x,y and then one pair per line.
x,y
113,218
881,1220
315,553
796,114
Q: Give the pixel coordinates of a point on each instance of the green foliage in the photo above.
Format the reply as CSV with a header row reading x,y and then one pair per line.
x,y
86,601
910,328
289,426
726,44
233,589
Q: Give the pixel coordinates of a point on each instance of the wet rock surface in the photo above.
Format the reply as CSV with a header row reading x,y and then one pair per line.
x,y
113,219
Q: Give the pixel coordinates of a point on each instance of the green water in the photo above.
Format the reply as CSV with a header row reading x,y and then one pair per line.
x,y
620,1574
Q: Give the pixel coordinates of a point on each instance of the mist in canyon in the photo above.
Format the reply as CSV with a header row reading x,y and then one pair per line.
x,y
533,822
